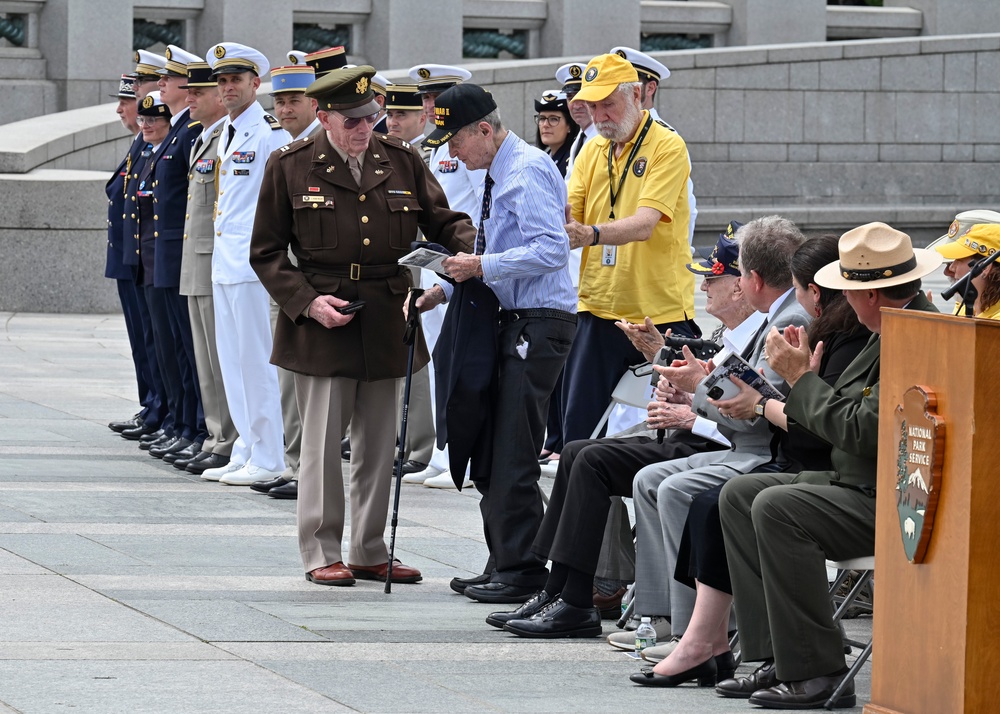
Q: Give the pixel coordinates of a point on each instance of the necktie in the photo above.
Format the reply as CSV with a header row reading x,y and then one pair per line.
x,y
197,146
484,214
355,167
232,135
577,145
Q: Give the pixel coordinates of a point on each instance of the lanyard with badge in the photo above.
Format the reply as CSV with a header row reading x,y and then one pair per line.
x,y
609,256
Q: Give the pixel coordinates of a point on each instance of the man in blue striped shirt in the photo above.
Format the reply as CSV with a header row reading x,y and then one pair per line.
x,y
521,253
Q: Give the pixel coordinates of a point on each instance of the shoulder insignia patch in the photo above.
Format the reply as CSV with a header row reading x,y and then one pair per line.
x,y
275,124
664,124
194,123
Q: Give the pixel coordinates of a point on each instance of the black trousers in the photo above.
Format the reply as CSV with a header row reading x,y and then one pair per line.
x,y
512,502
169,319
149,343
702,552
590,472
601,354
152,403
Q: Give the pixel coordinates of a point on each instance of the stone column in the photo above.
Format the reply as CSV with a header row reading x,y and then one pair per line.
x,y
773,22
86,46
589,27
262,24
954,17
402,33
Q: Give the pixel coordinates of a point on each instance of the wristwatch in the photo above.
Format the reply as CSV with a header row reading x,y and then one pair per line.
x,y
758,408
597,235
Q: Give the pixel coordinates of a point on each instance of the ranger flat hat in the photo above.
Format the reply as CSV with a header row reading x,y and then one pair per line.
x,y
292,78
403,97
199,74
126,87
646,66
347,91
232,57
148,64
876,255
323,61
603,75
437,77
458,107
152,106
177,61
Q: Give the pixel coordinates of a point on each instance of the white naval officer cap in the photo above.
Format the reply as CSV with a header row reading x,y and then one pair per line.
x,y
646,66
230,57
296,57
177,60
570,76
437,77
379,84
148,64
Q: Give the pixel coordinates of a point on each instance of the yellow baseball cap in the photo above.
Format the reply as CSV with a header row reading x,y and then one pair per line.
x,y
981,240
603,75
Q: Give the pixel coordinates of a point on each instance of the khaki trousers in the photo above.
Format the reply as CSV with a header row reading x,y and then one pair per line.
x,y
326,406
289,413
221,431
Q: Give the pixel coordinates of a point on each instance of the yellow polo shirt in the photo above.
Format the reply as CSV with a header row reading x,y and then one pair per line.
x,y
991,313
649,277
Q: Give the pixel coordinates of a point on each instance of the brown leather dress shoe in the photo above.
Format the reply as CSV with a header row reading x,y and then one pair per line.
x,y
763,677
400,573
336,574
807,694
609,605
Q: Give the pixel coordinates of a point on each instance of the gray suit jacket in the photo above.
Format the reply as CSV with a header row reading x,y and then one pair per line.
x,y
199,230
751,440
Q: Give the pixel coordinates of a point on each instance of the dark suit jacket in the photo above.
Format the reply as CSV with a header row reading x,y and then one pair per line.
x,y
845,414
169,176
130,210
115,266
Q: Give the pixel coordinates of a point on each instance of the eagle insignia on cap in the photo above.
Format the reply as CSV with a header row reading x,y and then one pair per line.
x,y
575,71
621,53
591,74
220,52
424,73
362,85
953,229
147,102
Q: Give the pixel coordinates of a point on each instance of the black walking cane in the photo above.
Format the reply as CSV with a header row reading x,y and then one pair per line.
x,y
409,338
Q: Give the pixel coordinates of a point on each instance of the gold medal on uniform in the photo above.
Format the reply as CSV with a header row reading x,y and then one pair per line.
x,y
609,255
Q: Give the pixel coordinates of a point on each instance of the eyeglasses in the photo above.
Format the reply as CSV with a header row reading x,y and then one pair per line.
x,y
150,121
352,123
551,120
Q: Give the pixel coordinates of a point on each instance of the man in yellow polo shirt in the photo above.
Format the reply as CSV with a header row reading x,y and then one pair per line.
x,y
629,201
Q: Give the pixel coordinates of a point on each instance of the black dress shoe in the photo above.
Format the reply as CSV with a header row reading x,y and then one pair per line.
x,y
265,486
763,677
182,464
137,432
212,461
558,619
288,490
178,444
807,694
120,426
706,674
186,454
536,603
499,593
145,444
460,584
411,467
345,449
725,663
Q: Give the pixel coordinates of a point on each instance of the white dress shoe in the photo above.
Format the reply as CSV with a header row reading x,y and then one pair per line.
x,y
444,481
625,640
421,476
217,474
249,474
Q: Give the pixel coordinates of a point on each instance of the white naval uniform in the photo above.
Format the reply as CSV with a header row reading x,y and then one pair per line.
x,y
242,312
692,201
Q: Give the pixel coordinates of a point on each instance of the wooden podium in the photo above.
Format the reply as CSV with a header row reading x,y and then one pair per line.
x,y
936,643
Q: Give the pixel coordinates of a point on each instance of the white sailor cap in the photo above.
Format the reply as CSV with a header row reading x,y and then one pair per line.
x,y
296,57
177,61
570,76
148,64
646,66
230,57
379,84
437,77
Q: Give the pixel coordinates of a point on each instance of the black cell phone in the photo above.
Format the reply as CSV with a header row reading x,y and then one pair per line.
x,y
350,307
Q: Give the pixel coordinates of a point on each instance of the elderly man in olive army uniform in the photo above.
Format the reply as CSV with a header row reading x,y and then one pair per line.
x,y
349,203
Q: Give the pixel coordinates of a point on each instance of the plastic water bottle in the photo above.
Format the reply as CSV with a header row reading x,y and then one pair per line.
x,y
645,635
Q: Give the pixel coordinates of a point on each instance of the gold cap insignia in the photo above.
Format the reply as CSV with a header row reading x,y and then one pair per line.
x,y
953,229
220,52
147,102
424,73
362,85
168,54
575,71
621,53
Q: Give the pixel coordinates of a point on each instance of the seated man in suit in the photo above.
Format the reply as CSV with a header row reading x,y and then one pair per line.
x,y
780,528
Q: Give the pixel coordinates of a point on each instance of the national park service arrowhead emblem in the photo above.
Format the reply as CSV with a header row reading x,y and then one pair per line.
x,y
920,456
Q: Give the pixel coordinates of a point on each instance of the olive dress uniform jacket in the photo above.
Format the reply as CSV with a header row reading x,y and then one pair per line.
x,y
347,240
199,229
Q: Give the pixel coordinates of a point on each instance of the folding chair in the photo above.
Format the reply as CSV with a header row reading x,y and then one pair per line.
x,y
633,389
841,604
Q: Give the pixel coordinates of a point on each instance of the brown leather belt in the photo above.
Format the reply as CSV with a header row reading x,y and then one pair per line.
x,y
354,271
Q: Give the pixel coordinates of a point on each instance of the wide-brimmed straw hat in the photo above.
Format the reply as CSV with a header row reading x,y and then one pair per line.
x,y
876,255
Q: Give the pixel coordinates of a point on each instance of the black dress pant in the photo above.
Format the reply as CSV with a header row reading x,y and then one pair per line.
x,y
152,403
590,472
702,552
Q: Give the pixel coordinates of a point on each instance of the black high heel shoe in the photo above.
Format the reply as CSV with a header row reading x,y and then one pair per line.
x,y
706,673
725,663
